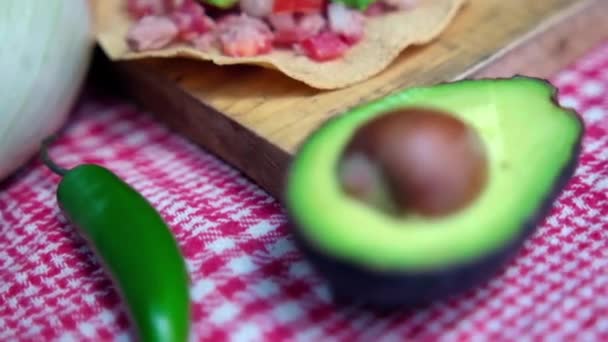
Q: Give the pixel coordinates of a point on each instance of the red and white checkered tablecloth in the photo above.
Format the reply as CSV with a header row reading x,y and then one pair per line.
x,y
249,282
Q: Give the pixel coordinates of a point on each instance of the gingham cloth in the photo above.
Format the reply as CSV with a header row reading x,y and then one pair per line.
x,y
250,283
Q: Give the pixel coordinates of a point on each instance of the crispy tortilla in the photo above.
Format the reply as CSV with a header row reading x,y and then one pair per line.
x,y
385,37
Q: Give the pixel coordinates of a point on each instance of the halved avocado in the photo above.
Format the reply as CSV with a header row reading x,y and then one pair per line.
x,y
372,257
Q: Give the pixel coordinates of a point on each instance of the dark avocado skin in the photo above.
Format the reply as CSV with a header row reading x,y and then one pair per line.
x,y
391,290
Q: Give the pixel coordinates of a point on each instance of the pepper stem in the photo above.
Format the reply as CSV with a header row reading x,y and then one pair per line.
x,y
46,159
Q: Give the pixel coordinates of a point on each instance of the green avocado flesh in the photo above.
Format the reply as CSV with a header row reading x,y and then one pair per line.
x,y
529,141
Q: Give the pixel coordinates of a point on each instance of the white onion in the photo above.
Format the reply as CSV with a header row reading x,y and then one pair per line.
x,y
45,52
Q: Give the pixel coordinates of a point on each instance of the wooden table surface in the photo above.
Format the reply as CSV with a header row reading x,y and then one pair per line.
x,y
256,118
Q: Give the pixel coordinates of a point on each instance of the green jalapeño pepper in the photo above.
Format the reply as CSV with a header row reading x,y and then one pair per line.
x,y
133,244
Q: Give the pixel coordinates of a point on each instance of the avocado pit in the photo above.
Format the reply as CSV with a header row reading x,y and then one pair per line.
x,y
414,160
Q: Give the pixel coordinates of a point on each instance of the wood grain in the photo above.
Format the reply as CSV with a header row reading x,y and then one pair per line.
x,y
256,118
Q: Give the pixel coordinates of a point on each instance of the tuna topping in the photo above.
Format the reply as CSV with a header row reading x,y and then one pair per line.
x,y
322,30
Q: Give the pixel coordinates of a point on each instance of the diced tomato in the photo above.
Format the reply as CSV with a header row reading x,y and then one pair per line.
x,y
286,37
285,28
191,22
352,39
309,6
300,6
191,27
283,6
324,46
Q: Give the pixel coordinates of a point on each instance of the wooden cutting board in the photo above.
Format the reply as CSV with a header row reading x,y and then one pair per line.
x,y
255,118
